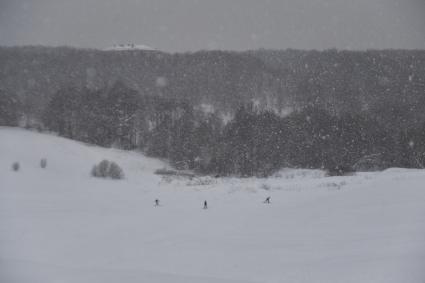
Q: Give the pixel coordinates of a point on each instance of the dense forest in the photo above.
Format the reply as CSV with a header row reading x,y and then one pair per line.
x,y
227,113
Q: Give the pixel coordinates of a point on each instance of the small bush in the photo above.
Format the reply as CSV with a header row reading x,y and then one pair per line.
x,y
101,170
164,171
340,170
107,169
15,166
43,163
203,181
167,172
115,171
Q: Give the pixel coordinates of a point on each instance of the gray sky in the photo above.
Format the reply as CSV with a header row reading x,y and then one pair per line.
x,y
183,25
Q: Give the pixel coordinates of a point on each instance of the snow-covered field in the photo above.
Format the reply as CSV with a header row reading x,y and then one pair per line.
x,y
60,225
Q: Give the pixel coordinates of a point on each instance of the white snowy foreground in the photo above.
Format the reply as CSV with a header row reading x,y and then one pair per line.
x,y
60,225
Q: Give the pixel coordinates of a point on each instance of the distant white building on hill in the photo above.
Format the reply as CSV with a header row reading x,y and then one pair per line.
x,y
130,46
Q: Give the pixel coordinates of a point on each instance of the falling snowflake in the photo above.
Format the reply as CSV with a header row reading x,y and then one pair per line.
x,y
161,82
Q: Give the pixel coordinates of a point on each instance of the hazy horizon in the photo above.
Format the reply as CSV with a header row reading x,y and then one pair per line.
x,y
191,25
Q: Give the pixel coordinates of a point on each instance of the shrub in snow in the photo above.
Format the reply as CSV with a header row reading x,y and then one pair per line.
x,y
202,181
101,170
167,172
340,170
43,163
107,169
15,166
115,171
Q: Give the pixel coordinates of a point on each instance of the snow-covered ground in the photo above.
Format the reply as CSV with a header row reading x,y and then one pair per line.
x,y
60,225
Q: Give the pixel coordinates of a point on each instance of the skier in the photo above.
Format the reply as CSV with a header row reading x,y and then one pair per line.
x,y
205,204
157,202
267,200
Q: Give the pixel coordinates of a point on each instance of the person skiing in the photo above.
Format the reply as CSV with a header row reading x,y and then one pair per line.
x,y
205,204
156,202
267,200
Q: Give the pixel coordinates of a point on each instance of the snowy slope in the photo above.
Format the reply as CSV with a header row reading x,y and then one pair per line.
x,y
61,225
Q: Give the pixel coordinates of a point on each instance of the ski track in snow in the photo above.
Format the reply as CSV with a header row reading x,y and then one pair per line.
x,y
60,225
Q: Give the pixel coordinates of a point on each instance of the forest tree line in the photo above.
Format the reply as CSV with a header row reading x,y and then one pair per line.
x,y
386,84
348,110
253,142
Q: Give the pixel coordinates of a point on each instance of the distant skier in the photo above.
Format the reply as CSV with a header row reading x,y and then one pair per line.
x,y
267,200
205,204
157,202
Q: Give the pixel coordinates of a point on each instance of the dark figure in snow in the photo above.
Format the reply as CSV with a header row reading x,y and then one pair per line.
x,y
157,202
267,200
205,204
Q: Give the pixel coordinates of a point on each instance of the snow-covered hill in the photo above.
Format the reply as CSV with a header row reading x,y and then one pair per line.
x,y
59,224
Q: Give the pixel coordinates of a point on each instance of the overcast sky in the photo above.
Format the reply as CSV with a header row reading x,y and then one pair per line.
x,y
187,25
